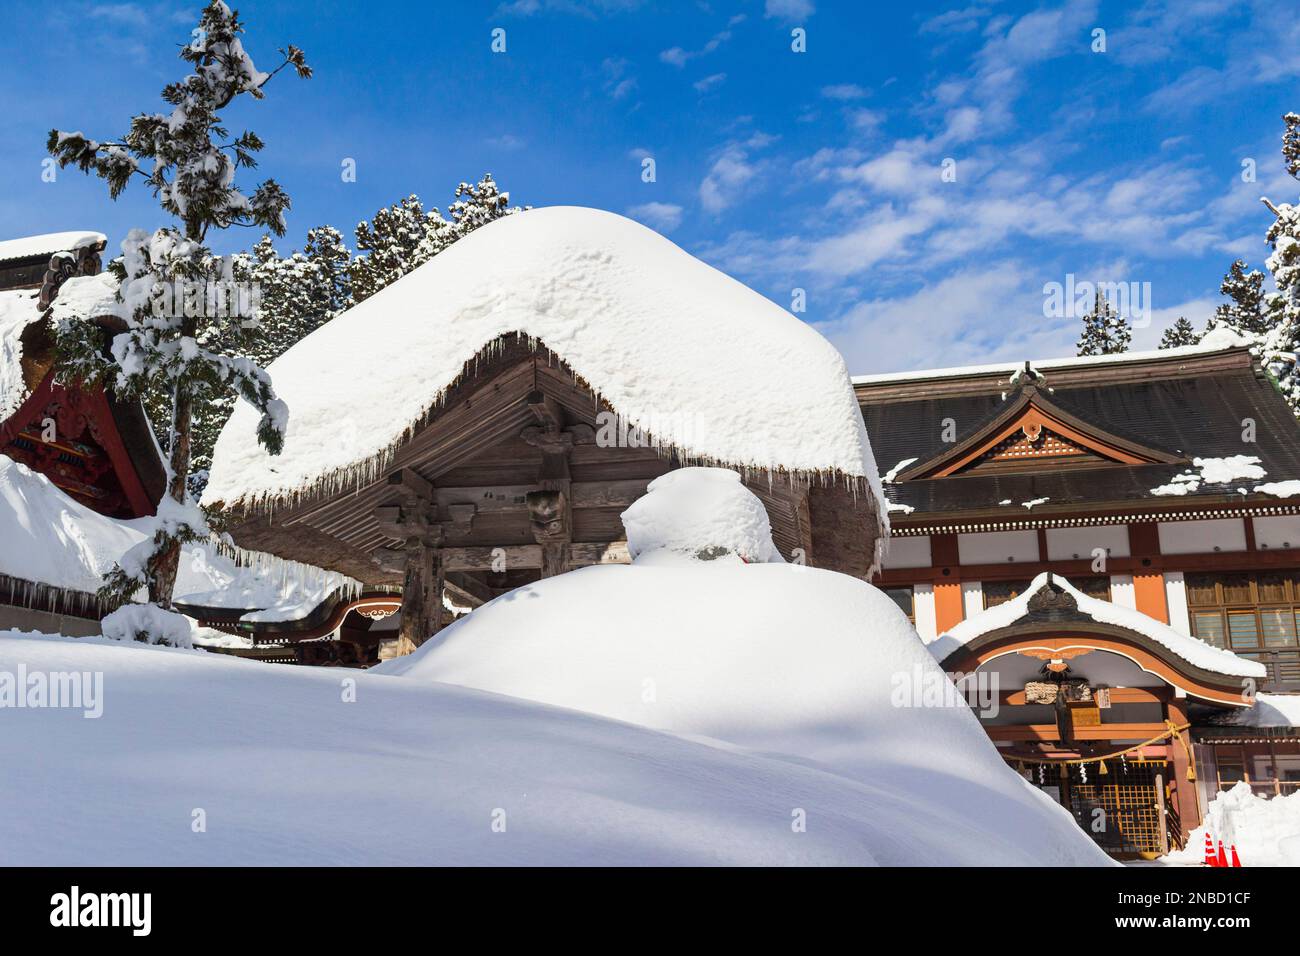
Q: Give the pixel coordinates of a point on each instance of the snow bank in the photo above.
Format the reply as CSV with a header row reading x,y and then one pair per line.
x,y
149,624
1191,649
701,362
807,664
287,773
48,538
1265,830
702,513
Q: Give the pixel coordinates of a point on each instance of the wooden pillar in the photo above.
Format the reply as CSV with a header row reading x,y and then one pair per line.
x,y
414,521
1185,802
949,608
549,509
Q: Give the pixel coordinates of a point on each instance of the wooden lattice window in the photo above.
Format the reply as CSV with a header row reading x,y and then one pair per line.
x,y
1248,611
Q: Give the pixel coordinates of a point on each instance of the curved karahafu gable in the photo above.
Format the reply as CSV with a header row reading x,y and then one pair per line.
x,y
708,367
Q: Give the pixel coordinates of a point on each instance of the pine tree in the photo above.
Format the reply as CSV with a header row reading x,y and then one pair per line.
x,y
1281,346
192,343
1105,332
298,294
1247,310
403,236
1179,334
332,281
396,240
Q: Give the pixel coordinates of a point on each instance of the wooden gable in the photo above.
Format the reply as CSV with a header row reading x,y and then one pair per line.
x,y
1032,433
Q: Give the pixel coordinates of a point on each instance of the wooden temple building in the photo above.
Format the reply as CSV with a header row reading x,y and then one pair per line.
x,y
1161,484
96,449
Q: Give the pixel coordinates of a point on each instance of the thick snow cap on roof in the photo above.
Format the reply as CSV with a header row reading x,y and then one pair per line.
x,y
701,362
17,311
48,244
1191,649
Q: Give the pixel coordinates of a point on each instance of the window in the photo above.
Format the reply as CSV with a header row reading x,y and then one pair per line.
x,y
1254,611
1000,592
903,598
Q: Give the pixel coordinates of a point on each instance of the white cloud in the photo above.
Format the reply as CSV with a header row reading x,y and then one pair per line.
x,y
729,173
844,91
710,82
662,216
948,322
789,9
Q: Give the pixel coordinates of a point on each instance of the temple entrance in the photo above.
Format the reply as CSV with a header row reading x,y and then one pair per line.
x,y
1129,811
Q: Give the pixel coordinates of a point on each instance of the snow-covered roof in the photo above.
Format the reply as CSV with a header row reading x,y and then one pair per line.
x,y
1270,710
48,244
51,540
703,363
17,311
1212,343
1193,650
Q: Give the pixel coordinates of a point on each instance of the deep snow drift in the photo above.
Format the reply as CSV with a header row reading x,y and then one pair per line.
x,y
814,666
286,772
695,358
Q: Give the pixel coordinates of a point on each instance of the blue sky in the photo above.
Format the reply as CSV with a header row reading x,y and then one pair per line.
x,y
818,170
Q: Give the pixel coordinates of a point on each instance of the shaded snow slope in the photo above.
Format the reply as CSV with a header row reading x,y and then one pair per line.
x,y
49,538
411,773
1191,649
781,659
699,360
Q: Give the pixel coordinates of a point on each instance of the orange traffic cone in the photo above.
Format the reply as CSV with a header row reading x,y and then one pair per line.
x,y
1223,860
1209,851
1236,861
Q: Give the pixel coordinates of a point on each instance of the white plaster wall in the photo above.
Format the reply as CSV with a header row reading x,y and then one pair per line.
x,y
908,553
972,598
1282,531
1176,599
1067,544
995,547
923,611
1121,591
1202,537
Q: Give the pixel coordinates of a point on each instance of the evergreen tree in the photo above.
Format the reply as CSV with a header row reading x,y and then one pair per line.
x,y
403,236
1105,332
1179,334
1282,344
297,294
332,282
181,342
1247,310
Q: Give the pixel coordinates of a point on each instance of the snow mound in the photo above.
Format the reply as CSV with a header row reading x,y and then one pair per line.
x,y
149,624
1191,649
1265,830
450,776
702,514
704,364
777,659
